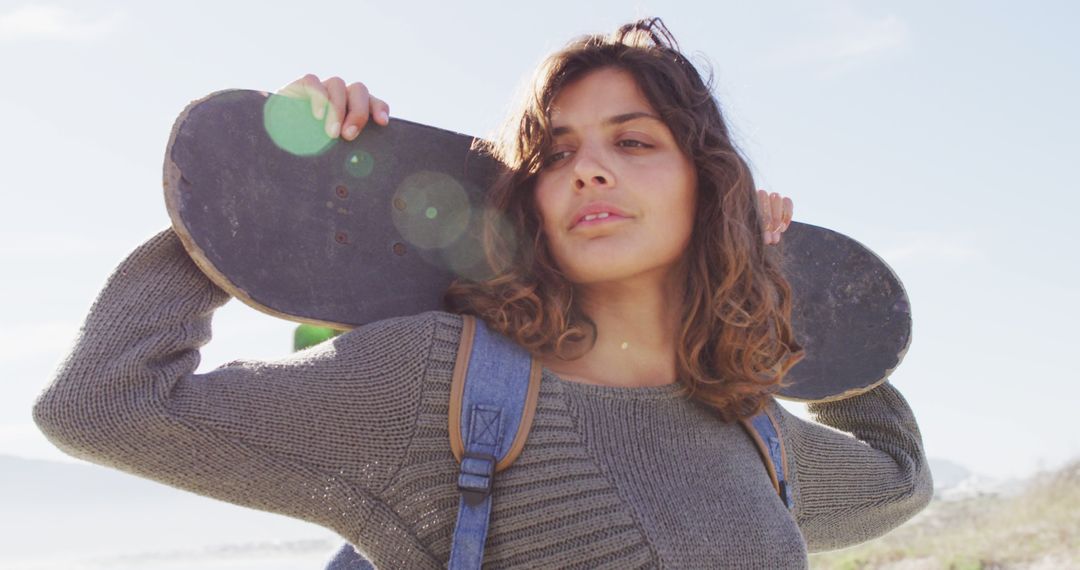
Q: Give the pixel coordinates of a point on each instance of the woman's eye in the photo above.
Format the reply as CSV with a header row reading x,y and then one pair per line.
x,y
562,154
556,156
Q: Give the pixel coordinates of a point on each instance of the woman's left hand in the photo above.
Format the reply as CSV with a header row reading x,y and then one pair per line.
x,y
775,215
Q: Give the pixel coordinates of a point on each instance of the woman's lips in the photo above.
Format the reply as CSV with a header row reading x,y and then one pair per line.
x,y
598,221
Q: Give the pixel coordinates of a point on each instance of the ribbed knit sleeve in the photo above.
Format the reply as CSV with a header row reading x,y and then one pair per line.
x,y
315,435
857,473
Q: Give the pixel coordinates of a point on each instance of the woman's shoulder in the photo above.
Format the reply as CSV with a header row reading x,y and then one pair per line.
x,y
404,323
432,320
431,334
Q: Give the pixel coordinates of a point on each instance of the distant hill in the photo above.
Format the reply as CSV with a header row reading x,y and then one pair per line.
x,y
1034,527
947,473
953,482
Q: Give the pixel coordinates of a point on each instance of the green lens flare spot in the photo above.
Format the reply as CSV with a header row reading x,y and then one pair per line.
x,y
289,123
359,163
430,209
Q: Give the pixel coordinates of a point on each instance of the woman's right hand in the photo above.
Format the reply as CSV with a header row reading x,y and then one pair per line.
x,y
349,106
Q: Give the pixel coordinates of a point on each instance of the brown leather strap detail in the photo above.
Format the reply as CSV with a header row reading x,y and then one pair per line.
x,y
763,449
527,414
457,384
457,393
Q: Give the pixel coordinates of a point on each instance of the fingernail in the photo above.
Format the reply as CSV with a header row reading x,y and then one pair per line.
x,y
350,131
319,111
383,117
333,131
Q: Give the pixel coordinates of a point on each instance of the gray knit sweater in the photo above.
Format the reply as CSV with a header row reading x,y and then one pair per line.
x,y
352,435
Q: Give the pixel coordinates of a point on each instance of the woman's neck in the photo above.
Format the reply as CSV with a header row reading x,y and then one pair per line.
x,y
637,325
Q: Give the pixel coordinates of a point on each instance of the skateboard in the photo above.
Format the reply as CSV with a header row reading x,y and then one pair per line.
x,y
337,233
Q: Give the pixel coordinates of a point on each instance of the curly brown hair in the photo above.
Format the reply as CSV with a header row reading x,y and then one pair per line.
x,y
735,341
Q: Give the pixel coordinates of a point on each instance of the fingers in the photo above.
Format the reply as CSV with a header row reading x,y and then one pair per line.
x,y
311,89
346,108
766,215
359,99
335,87
776,212
359,110
380,110
362,106
295,89
315,92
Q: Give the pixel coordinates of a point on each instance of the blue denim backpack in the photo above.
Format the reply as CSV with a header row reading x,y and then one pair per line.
x,y
492,400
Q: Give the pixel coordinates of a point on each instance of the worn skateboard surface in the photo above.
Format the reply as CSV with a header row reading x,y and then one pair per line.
x,y
341,233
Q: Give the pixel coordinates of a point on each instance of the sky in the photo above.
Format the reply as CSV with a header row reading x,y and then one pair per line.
x,y
937,134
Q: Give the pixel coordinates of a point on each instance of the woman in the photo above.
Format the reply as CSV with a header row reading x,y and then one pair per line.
x,y
659,324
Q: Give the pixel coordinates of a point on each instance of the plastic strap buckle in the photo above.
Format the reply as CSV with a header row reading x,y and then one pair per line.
x,y
476,475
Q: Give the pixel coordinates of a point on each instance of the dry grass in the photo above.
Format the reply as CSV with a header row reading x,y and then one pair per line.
x,y
1038,529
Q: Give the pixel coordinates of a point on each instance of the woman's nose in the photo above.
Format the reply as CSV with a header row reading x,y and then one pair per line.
x,y
589,170
598,180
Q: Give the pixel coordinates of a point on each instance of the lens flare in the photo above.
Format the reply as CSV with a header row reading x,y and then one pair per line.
x,y
466,256
289,123
359,164
436,209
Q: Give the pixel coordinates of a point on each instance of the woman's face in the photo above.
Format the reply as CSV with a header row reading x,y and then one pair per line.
x,y
611,150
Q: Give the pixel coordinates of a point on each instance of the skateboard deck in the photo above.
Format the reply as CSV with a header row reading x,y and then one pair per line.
x,y
341,233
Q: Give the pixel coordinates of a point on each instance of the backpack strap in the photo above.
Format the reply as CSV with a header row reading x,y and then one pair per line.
x,y
493,396
765,432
